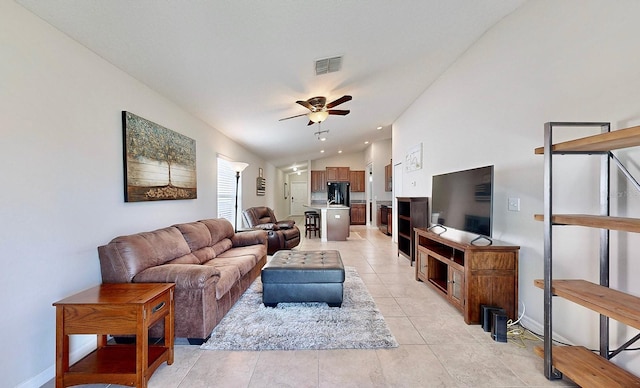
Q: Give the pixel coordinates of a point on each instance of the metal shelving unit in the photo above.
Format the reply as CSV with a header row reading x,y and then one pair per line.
x,y
582,366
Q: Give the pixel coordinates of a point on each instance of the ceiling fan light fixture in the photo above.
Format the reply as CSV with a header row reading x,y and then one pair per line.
x,y
318,116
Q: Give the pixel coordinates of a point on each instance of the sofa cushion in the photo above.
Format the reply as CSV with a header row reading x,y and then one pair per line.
x,y
250,237
219,229
196,234
132,254
186,259
256,251
229,276
198,238
183,275
244,263
221,246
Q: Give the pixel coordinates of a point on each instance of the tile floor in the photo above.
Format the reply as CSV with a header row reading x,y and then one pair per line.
x,y
437,349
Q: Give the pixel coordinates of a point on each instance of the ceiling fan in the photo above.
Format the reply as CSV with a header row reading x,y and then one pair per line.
x,y
319,110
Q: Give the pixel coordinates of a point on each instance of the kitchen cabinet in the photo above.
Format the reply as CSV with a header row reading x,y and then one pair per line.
x,y
384,219
337,174
358,214
357,179
318,182
388,180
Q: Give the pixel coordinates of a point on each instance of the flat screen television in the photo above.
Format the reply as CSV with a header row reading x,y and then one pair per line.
x,y
463,200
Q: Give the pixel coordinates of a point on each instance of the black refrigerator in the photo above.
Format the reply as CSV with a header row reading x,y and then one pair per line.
x,y
338,193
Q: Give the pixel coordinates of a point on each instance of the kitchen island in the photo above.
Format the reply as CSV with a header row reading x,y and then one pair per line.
x,y
334,221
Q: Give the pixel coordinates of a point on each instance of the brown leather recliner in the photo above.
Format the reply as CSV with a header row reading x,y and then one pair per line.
x,y
280,234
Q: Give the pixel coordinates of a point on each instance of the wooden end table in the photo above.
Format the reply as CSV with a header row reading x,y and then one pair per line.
x,y
115,309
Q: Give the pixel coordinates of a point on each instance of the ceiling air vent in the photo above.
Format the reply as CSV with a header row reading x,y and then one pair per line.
x,y
328,65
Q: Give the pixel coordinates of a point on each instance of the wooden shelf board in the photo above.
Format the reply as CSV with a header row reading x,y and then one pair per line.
x,y
588,369
441,284
615,304
622,138
593,221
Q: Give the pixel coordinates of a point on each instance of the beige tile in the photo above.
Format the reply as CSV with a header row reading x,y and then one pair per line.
x,y
350,368
286,369
184,358
413,366
442,329
221,369
389,307
404,331
370,279
475,365
430,305
378,290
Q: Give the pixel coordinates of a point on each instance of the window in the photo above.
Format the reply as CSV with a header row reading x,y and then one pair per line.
x,y
226,190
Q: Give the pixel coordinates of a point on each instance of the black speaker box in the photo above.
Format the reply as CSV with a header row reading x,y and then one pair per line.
x,y
499,326
486,320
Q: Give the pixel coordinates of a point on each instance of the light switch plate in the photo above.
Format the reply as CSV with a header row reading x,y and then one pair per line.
x,y
514,204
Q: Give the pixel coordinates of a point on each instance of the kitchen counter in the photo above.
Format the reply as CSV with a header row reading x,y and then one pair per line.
x,y
334,221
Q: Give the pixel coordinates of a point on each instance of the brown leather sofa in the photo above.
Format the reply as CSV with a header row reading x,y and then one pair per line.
x,y
280,234
210,264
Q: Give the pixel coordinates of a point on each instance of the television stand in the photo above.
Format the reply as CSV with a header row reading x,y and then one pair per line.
x,y
468,275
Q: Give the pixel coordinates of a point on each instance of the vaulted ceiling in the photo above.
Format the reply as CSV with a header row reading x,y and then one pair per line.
x,y
241,65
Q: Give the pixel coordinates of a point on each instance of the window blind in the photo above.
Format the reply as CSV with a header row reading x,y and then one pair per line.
x,y
226,191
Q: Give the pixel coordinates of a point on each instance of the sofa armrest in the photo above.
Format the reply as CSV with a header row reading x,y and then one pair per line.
x,y
250,237
183,275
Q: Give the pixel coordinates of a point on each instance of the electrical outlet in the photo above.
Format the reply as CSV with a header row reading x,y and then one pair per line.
x,y
514,204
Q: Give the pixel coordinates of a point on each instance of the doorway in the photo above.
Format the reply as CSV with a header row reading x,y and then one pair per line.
x,y
369,186
298,198
397,192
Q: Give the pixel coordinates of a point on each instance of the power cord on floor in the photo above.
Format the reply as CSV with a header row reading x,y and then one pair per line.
x,y
519,335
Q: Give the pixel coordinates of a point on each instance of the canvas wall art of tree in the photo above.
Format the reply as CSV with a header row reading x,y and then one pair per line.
x,y
160,164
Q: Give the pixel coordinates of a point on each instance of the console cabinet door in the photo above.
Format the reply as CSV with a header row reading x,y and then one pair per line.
x,y
422,264
456,287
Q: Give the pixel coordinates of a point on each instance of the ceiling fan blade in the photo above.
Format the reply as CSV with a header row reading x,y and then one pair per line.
x,y
306,104
291,117
310,122
339,101
340,112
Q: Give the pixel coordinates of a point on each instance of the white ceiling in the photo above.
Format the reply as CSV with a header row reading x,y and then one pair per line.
x,y
241,65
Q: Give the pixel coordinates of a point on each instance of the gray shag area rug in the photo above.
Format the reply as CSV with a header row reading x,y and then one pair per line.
x,y
249,325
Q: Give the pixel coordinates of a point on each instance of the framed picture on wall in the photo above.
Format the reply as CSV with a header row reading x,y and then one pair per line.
x,y
159,164
260,186
413,159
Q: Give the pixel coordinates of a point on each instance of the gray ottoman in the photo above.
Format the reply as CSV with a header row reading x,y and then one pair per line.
x,y
299,276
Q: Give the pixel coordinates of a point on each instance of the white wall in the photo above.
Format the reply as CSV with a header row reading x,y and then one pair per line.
x,y
379,155
572,60
354,160
62,173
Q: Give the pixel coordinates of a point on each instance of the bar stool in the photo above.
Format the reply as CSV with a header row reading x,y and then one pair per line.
x,y
311,223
